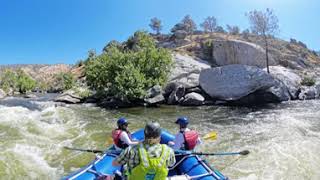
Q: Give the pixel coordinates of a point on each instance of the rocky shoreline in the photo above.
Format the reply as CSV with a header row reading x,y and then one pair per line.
x,y
194,82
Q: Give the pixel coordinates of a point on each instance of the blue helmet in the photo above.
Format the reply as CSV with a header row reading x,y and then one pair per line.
x,y
183,121
122,121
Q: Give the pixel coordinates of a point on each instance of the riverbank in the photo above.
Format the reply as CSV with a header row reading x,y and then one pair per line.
x,y
215,69
193,82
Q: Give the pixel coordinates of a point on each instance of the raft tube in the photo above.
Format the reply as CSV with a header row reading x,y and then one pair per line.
x,y
186,164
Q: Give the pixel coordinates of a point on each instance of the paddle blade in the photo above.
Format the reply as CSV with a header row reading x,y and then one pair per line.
x,y
109,141
210,136
245,152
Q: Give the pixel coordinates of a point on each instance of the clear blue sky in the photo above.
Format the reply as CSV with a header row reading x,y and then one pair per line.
x,y
62,31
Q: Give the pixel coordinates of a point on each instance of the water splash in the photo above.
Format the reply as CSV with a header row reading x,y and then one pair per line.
x,y
283,139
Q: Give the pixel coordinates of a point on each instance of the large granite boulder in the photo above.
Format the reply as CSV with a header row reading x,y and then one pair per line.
x,y
186,70
192,99
70,97
233,82
226,52
180,34
176,95
158,99
2,94
277,93
154,91
287,79
308,92
154,96
179,31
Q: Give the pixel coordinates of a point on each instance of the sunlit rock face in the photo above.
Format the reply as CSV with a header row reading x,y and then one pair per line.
x,y
186,70
226,52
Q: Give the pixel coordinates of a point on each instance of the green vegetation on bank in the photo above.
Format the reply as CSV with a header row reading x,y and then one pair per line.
x,y
308,81
64,81
12,81
16,81
126,70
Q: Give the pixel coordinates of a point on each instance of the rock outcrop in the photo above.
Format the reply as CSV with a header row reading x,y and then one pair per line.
x,y
154,96
186,70
192,99
30,96
233,82
70,97
226,52
176,95
2,94
291,81
308,92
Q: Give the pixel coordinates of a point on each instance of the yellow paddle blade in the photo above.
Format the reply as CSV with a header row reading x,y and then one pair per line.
x,y
109,141
210,136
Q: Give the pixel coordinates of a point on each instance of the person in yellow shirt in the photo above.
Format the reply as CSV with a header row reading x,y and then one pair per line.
x,y
149,159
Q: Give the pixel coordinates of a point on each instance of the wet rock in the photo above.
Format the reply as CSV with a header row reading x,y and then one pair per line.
x,y
277,93
154,91
192,99
112,102
308,93
194,89
317,87
288,80
70,97
29,96
233,82
176,95
171,86
2,94
158,99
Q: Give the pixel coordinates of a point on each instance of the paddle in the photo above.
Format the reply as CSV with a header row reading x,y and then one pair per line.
x,y
210,136
245,152
84,150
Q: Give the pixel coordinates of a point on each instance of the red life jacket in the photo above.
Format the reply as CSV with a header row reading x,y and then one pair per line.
x,y
190,139
116,138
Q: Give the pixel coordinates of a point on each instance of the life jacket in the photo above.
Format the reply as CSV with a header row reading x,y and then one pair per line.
x,y
116,138
151,168
190,139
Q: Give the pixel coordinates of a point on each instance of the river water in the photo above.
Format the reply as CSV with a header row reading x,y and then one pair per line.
x,y
283,139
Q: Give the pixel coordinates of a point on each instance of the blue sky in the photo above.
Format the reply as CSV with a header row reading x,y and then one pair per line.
x,y
62,31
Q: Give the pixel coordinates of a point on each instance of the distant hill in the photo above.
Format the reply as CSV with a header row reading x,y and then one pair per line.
x,y
39,72
294,54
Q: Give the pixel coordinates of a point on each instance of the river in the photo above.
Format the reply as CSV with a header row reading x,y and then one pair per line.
x,y
283,139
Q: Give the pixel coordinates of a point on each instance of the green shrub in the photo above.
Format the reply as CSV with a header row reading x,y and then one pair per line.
x,y
128,72
83,92
25,83
308,81
140,40
8,80
43,86
17,81
64,81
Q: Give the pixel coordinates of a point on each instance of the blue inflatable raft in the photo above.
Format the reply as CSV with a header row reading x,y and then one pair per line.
x,y
188,166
